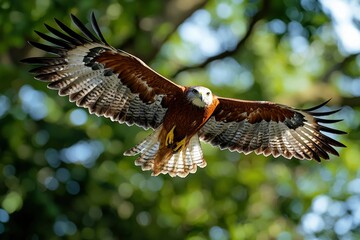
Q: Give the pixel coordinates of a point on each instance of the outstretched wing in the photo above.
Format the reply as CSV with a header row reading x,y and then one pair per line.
x,y
109,82
269,128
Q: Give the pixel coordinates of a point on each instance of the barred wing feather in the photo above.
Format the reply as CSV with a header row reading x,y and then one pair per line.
x,y
109,82
268,128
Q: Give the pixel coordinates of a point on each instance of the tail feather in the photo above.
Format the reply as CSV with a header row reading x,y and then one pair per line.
x,y
148,149
186,161
196,153
162,160
148,146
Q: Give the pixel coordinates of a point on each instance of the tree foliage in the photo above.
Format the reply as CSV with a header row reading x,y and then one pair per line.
x,y
62,172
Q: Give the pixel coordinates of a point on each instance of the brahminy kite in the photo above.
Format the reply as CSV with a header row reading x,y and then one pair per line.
x,y
117,85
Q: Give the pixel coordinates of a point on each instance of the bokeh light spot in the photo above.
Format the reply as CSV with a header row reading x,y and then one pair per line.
x,y
33,102
143,218
83,152
78,117
51,183
218,233
73,187
63,227
62,174
4,216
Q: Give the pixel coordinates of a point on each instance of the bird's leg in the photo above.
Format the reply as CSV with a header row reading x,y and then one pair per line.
x,y
169,141
170,137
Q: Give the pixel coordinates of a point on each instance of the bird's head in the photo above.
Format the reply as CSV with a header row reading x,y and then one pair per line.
x,y
199,96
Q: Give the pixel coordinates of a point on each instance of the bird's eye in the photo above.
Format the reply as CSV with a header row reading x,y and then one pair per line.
x,y
208,93
194,90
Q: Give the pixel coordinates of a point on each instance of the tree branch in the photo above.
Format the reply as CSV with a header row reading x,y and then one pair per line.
x,y
350,101
176,23
128,43
258,16
337,66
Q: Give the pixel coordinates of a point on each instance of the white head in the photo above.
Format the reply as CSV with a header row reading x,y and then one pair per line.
x,y
199,96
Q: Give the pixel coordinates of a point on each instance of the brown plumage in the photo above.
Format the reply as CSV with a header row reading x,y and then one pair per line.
x,y
117,85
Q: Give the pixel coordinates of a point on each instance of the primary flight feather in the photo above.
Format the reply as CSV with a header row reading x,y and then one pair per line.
x,y
119,86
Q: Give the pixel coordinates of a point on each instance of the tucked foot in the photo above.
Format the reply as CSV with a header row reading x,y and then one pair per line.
x,y
180,145
170,137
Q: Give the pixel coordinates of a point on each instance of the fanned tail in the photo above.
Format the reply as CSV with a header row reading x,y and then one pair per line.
x,y
161,159
186,161
148,149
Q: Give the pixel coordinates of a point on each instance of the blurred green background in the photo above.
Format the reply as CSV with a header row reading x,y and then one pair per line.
x,y
62,172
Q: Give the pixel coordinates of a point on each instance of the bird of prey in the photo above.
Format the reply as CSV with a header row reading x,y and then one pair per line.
x,y
117,85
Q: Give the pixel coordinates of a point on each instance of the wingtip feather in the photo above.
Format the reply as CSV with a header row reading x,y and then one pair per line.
x,y
97,28
316,107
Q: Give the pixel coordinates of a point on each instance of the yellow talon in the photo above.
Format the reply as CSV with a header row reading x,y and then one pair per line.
x,y
180,145
170,137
